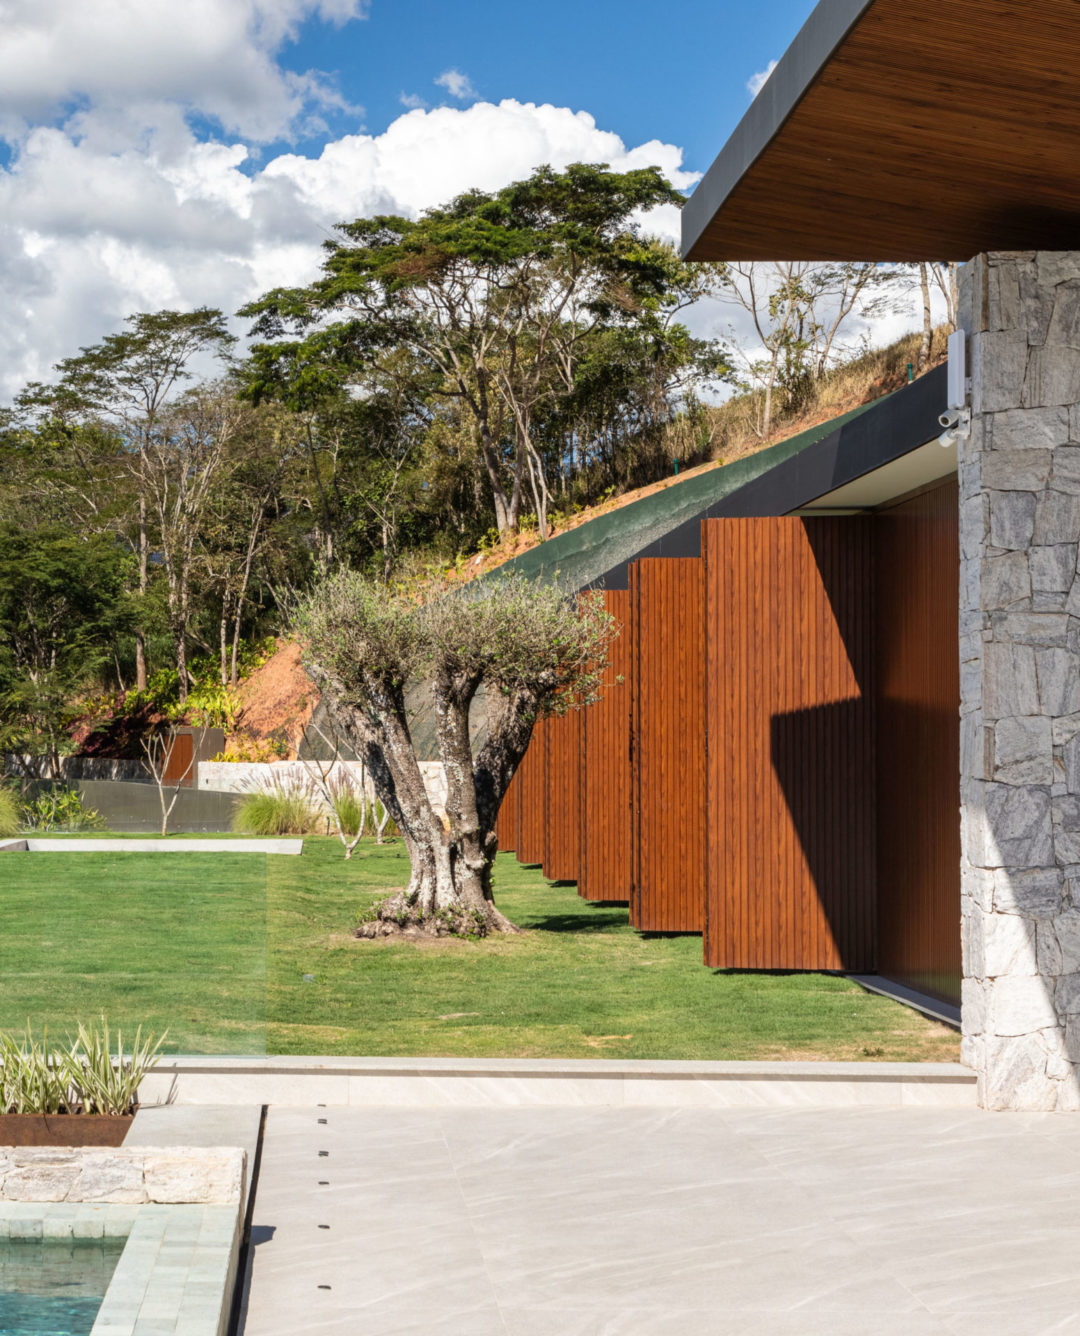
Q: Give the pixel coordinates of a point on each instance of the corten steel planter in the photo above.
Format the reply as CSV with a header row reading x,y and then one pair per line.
x,y
64,1129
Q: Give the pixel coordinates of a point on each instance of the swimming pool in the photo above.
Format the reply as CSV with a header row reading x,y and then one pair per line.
x,y
54,1287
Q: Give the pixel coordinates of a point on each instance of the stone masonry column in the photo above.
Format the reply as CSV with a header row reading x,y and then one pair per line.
x,y
1020,680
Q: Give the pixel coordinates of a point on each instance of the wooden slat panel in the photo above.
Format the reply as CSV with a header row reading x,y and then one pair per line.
x,y
605,834
506,826
565,745
790,762
918,557
668,753
532,821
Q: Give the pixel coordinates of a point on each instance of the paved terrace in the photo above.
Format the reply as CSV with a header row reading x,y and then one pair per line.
x,y
651,1222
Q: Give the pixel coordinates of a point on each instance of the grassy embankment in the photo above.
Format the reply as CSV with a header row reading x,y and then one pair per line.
x,y
216,948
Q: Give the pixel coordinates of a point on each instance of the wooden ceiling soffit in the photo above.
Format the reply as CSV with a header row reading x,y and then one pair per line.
x,y
905,130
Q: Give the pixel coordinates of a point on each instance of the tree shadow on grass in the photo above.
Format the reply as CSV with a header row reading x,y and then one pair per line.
x,y
579,922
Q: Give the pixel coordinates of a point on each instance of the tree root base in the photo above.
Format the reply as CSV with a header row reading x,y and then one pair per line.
x,y
396,917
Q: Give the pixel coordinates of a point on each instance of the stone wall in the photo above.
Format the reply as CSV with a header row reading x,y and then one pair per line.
x,y
131,1177
1020,680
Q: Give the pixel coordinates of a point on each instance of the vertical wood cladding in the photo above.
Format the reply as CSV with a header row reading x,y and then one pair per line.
x,y
532,809
918,751
605,829
565,745
506,826
790,765
668,864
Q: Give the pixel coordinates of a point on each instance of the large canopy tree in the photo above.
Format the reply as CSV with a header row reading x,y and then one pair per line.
x,y
496,296
532,649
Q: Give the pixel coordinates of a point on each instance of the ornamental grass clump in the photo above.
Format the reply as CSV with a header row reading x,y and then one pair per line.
x,y
274,808
10,812
86,1077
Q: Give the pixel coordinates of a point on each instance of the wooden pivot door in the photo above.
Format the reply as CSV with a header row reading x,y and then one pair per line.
x,y
180,761
918,741
506,825
668,744
532,811
791,868
605,833
565,746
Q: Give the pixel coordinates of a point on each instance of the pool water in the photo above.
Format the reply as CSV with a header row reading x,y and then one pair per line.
x,y
54,1288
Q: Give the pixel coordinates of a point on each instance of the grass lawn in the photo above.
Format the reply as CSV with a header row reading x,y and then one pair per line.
x,y
216,947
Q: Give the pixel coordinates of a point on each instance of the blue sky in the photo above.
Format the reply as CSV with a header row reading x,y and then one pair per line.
x,y
165,154
682,80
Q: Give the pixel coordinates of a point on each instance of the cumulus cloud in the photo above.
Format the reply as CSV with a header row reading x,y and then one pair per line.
x,y
214,57
757,82
98,222
456,84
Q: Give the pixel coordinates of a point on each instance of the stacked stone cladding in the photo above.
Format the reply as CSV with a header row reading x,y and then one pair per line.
x,y
1020,680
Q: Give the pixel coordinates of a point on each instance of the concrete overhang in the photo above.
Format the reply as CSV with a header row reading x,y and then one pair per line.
x,y
904,130
919,468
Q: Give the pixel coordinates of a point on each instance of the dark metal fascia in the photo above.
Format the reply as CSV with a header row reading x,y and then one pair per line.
x,y
888,430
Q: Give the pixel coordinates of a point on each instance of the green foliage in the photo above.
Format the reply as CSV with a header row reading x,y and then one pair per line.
x,y
10,811
62,603
277,809
60,807
512,633
87,1076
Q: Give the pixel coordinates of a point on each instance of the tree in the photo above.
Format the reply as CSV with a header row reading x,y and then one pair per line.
x,y
491,294
62,602
124,384
534,651
797,311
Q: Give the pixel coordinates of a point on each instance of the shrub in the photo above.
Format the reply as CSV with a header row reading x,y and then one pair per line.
x,y
273,809
85,1077
10,812
61,807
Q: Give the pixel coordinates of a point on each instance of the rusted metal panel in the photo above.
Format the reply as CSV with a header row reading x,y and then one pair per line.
x,y
789,664
918,752
565,747
533,777
668,854
605,832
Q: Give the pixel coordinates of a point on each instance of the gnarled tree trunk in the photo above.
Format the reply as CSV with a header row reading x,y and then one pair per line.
x,y
449,888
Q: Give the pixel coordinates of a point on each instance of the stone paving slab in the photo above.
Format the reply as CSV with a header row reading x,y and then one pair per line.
x,y
683,1222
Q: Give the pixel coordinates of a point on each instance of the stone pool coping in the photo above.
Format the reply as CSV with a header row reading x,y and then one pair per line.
x,y
69,845
520,1082
176,1272
181,1209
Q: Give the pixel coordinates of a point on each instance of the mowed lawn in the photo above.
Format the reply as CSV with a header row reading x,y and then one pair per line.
x,y
216,947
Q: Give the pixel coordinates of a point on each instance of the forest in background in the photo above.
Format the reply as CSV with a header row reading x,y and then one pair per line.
x,y
448,384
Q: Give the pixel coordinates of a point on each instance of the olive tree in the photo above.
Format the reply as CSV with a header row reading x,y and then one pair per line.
x,y
532,650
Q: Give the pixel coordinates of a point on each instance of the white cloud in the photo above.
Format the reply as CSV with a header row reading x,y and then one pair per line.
x,y
456,84
215,57
757,82
413,101
112,214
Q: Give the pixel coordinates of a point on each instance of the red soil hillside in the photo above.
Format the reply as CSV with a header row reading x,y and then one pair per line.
x,y
276,702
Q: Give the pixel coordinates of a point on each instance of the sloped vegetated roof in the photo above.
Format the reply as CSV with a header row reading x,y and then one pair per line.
x,y
580,557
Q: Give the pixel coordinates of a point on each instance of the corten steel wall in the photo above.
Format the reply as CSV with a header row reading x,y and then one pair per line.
x,y
918,742
565,744
668,861
506,826
532,808
790,764
605,827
